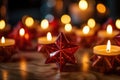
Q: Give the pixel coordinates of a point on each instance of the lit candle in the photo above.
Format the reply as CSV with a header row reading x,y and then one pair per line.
x,y
47,40
7,49
107,50
108,33
106,57
6,42
84,32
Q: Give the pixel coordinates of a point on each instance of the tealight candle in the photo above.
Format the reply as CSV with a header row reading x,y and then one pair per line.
x,y
85,32
85,36
107,50
43,41
106,57
7,48
7,42
47,40
109,33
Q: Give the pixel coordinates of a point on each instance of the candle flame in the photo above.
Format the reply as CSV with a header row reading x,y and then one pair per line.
x,y
91,23
109,29
83,4
22,32
2,24
108,46
68,27
117,23
44,24
29,21
3,39
86,30
49,36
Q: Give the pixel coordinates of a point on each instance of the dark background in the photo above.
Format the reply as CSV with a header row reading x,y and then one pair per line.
x,y
15,9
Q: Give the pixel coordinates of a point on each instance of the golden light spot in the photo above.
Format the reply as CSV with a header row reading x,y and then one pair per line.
x,y
101,8
83,4
65,19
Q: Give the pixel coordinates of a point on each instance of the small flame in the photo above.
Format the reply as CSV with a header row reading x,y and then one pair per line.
x,y
86,30
22,32
108,46
68,27
44,24
3,39
29,21
2,24
49,36
109,29
83,4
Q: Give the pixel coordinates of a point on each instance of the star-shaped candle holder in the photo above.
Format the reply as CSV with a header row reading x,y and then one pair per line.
x,y
61,52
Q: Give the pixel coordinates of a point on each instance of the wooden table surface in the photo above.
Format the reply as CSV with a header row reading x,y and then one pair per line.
x,y
30,66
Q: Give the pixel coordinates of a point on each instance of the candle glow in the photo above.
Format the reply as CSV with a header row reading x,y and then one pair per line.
x,y
101,8
68,27
91,23
117,23
83,5
2,24
49,36
3,40
29,21
86,30
85,60
44,24
5,75
109,29
108,46
65,19
22,32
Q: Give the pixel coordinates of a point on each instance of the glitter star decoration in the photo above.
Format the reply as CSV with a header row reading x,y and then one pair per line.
x,y
61,52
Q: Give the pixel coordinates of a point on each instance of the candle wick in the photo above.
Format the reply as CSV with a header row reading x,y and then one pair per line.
x,y
108,50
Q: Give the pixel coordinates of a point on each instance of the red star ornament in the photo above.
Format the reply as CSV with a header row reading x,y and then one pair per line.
x,y
61,52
